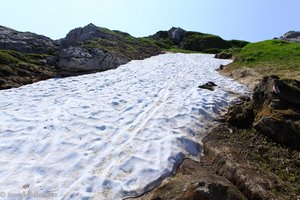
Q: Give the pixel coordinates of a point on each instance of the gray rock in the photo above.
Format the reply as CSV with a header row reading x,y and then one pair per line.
x,y
160,35
176,34
77,35
110,50
240,115
80,60
26,42
291,36
209,86
223,55
276,105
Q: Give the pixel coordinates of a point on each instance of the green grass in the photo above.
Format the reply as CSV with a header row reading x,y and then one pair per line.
x,y
275,53
13,57
18,68
196,42
123,44
201,42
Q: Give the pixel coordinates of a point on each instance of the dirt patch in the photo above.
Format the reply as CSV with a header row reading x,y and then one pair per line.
x,y
251,76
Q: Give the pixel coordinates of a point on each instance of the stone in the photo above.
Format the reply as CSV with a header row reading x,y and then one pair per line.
x,y
160,35
26,42
223,55
291,36
276,106
88,32
240,115
176,34
94,49
221,67
209,86
75,59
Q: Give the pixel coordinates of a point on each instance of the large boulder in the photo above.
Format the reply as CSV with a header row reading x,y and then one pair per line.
x,y
26,42
88,32
223,55
291,36
176,34
240,115
94,49
276,106
76,59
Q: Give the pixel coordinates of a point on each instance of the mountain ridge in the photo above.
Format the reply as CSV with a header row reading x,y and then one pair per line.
x,y
27,57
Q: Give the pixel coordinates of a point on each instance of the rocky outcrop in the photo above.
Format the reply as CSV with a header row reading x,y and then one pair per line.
x,y
276,105
78,35
194,41
274,111
84,50
194,182
94,49
240,115
223,55
77,60
25,58
291,36
26,42
176,34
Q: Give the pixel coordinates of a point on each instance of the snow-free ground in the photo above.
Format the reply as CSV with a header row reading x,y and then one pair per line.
x,y
109,135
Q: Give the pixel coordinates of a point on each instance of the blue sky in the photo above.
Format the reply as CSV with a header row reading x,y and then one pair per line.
x,y
252,20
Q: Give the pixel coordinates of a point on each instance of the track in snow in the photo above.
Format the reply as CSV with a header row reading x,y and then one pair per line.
x,y
109,135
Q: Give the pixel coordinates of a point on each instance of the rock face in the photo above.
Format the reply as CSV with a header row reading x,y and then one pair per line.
x,y
84,50
276,105
76,60
240,115
274,111
26,42
93,49
176,34
194,182
291,36
78,35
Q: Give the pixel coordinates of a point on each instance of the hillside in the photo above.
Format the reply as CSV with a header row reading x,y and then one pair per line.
x,y
270,57
177,39
17,69
27,57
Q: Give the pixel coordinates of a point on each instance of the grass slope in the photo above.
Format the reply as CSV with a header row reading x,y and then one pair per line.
x,y
123,44
17,69
194,42
269,57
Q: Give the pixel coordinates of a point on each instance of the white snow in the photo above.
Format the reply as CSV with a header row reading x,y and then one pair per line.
x,y
109,135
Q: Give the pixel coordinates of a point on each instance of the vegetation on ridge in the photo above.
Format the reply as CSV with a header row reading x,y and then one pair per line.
x,y
122,43
194,42
276,57
18,68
